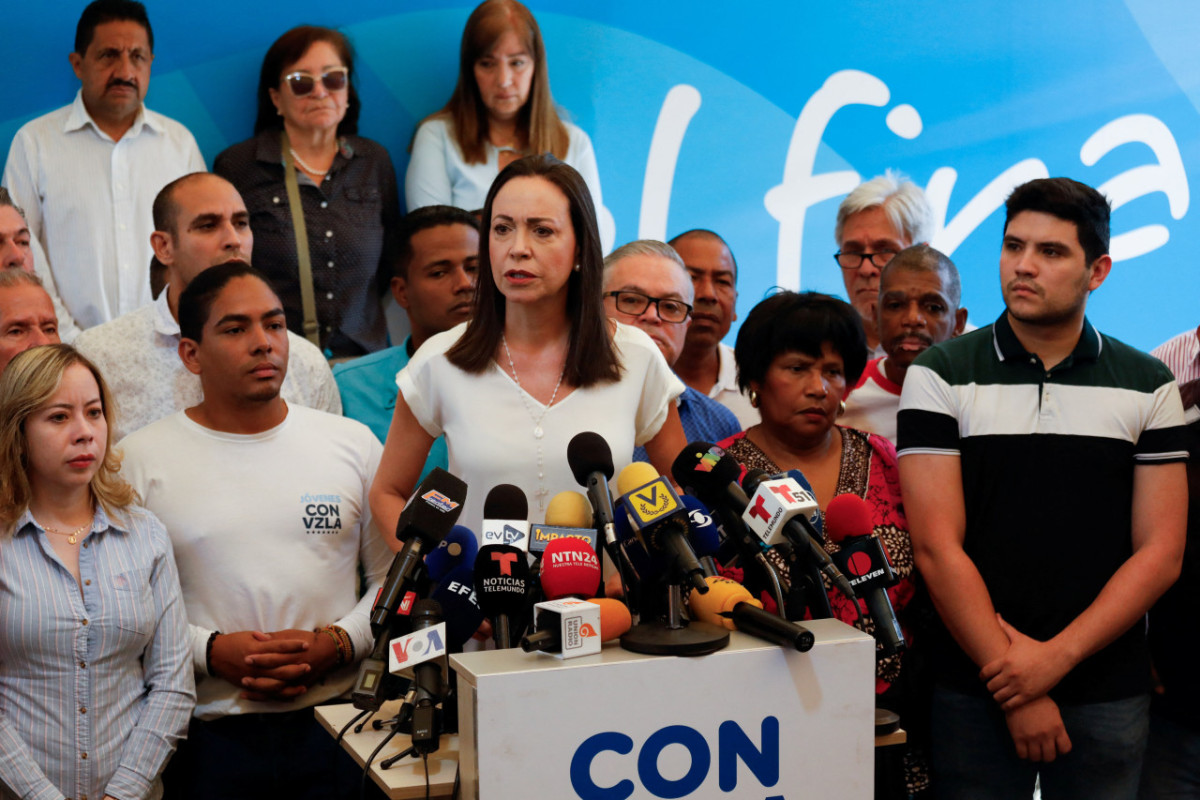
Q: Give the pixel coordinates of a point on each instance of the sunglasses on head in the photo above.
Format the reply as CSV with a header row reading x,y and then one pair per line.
x,y
302,83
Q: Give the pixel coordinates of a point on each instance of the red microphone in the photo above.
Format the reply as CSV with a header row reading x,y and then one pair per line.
x,y
569,569
865,563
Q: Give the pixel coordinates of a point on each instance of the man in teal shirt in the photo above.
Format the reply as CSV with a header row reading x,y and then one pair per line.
x,y
435,285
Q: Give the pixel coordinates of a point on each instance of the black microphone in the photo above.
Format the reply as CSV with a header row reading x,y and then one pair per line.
x,y
505,517
429,684
426,519
590,459
502,584
862,556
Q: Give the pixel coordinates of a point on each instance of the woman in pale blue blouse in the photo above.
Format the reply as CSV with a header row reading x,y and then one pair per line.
x,y
95,671
501,110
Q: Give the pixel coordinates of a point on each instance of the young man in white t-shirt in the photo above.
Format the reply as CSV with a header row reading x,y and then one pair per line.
x,y
265,503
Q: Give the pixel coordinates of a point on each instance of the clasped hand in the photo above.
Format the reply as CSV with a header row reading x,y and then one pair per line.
x,y
280,665
1027,670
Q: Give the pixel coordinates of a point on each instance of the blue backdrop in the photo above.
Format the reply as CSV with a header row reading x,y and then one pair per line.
x,y
755,119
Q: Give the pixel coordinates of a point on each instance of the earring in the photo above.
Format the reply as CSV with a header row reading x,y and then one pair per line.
x,y
841,407
577,268
753,399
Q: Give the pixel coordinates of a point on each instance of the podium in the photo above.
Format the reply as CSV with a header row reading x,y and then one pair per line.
x,y
751,720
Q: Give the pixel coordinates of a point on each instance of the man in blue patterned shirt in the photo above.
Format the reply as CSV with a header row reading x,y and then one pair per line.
x,y
647,285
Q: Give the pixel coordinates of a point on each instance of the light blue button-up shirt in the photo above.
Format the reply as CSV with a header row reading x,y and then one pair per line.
x,y
96,686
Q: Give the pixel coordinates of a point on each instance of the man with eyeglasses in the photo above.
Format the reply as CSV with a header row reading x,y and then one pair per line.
x,y
87,173
706,364
647,285
876,221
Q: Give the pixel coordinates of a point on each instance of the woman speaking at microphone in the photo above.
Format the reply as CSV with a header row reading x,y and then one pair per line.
x,y
95,665
538,362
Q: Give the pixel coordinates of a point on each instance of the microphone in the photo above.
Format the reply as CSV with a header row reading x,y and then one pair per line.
x,y
590,459
863,558
659,517
729,605
502,582
426,519
565,626
779,510
704,535
569,509
455,593
458,548
568,515
506,517
429,682
569,569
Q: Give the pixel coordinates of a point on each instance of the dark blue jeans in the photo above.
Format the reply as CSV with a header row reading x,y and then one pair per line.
x,y
256,756
974,757
1172,767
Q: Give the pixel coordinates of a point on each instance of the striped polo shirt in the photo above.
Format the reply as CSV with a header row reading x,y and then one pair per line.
x,y
1047,468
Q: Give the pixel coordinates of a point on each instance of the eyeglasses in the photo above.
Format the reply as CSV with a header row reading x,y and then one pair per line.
x,y
635,304
302,83
855,260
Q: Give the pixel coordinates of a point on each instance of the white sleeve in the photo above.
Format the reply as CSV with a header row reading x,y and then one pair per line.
x,y
427,180
582,156
373,555
659,388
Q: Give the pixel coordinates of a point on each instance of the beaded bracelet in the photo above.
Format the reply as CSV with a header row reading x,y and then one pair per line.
x,y
341,639
208,652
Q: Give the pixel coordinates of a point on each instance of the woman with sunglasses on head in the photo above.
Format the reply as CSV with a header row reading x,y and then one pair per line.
x,y
538,362
501,110
96,680
306,168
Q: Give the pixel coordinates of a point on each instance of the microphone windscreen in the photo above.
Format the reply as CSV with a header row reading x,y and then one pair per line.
x,y
706,469
501,580
569,568
703,533
723,594
615,618
460,604
753,478
847,515
506,501
587,452
459,547
569,510
635,476
433,508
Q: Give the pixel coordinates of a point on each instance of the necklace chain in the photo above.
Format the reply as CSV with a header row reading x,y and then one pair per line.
x,y
72,536
305,165
537,419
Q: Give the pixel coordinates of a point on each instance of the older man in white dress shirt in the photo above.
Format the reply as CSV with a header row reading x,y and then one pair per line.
x,y
87,173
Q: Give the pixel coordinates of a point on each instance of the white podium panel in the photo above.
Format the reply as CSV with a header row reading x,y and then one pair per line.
x,y
750,721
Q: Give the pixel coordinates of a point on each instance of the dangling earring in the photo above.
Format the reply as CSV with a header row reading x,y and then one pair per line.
x,y
841,407
753,399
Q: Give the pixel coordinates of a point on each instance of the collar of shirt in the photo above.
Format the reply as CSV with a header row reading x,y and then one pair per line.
x,y
100,522
164,323
1009,347
269,150
726,371
79,118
